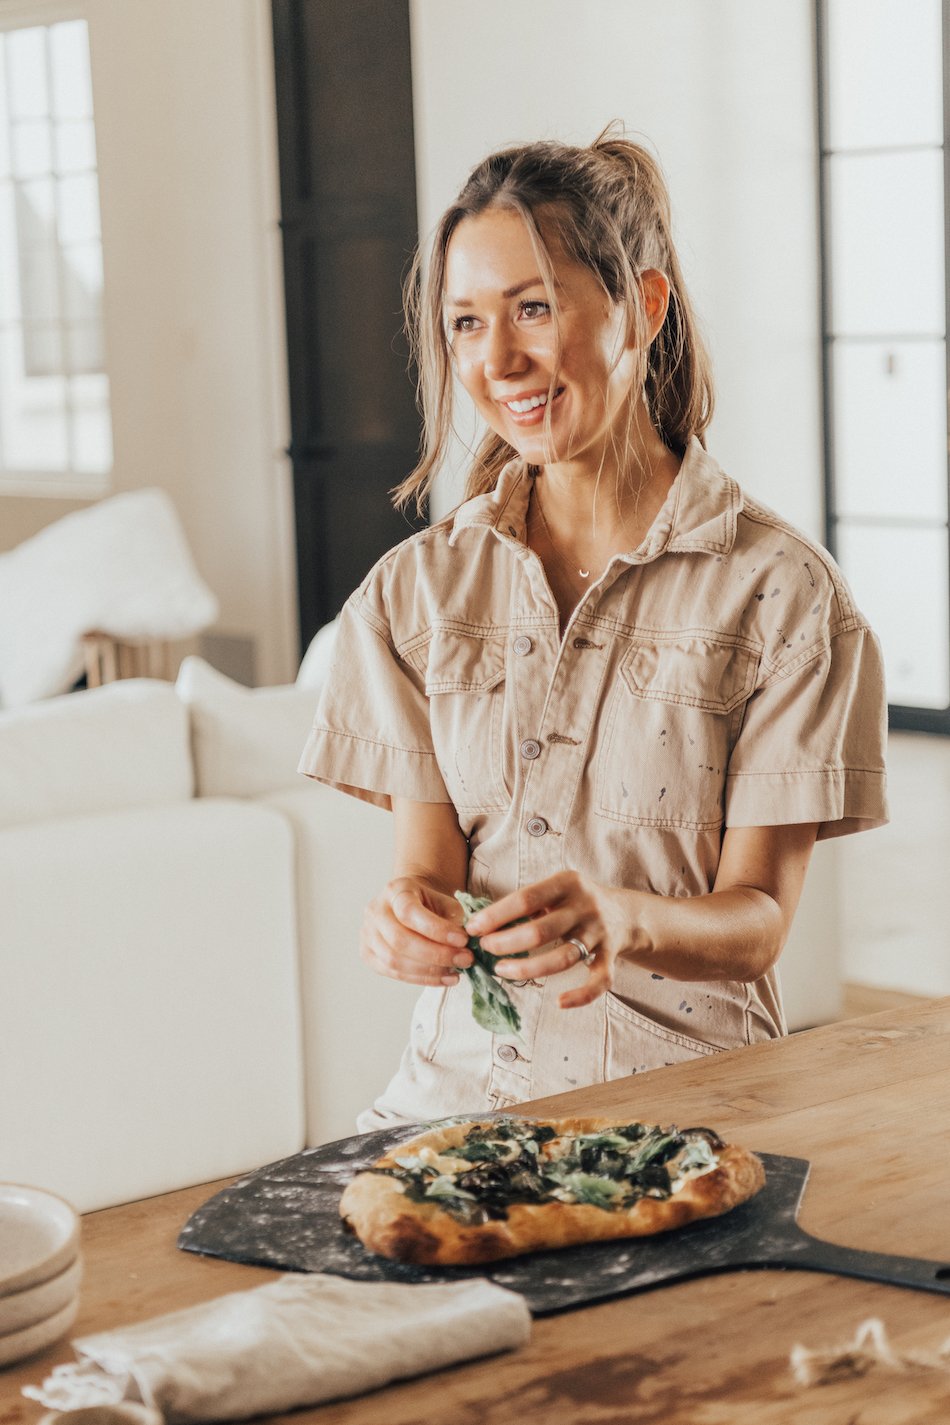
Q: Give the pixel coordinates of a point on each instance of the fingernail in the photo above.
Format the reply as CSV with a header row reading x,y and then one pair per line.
x,y
474,925
450,979
463,961
457,937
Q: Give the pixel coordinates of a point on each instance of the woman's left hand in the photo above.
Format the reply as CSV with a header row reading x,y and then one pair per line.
x,y
564,907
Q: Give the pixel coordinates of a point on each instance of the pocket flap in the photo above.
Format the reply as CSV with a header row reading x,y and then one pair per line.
x,y
464,662
695,669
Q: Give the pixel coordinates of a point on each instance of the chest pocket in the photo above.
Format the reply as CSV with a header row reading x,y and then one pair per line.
x,y
672,719
465,685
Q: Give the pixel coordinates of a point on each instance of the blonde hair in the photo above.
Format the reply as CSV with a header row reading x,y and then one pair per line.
x,y
609,208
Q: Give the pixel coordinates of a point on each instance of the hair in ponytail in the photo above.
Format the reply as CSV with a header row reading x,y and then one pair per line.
x,y
609,208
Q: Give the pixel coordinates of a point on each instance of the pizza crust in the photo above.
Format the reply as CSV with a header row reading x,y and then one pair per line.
x,y
389,1223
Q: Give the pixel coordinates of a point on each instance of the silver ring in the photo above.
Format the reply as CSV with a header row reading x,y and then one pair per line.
x,y
584,954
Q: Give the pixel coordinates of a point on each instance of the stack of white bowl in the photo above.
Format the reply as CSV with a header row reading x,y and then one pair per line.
x,y
40,1270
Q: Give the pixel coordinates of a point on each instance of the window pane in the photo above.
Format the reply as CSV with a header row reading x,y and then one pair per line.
x,y
9,274
33,432
885,63
82,283
4,126
75,146
69,61
42,346
887,247
39,283
900,581
92,429
32,148
27,73
890,429
36,211
84,347
78,208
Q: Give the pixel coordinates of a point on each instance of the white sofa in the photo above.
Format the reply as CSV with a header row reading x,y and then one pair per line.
x,y
179,910
182,997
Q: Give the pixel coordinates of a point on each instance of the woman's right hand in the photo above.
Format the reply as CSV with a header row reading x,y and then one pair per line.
x,y
413,932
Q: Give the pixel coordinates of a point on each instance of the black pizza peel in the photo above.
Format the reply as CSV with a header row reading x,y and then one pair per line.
x,y
286,1215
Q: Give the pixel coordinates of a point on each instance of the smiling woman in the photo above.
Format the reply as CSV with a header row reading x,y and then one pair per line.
x,y
611,694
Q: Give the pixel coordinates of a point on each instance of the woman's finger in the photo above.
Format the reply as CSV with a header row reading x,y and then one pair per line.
x,y
409,910
530,936
391,950
598,982
553,961
410,977
519,904
399,948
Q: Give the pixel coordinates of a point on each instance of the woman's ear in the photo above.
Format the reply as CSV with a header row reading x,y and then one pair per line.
x,y
655,286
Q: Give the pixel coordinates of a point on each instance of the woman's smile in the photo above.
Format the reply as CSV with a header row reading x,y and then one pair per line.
x,y
528,407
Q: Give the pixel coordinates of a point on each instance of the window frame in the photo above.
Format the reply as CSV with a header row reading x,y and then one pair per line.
x,y
57,483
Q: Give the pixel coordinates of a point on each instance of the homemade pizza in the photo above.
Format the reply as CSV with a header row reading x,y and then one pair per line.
x,y
466,1193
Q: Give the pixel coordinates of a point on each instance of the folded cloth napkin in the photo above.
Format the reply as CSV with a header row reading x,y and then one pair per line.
x,y
297,1341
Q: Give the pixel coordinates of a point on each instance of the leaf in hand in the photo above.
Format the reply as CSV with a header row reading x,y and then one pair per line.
x,y
492,1006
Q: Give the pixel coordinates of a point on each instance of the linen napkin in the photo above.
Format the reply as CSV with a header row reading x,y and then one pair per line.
x,y
300,1340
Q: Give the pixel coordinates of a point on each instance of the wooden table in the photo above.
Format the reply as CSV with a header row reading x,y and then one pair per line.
x,y
867,1101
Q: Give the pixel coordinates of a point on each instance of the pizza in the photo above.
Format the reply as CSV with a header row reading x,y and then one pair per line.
x,y
464,1193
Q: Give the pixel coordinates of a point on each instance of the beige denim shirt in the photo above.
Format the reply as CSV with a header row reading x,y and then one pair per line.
x,y
718,675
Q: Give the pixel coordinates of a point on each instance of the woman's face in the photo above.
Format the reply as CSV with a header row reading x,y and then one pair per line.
x,y
504,341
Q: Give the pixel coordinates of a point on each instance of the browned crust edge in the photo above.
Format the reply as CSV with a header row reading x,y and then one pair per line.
x,y
386,1222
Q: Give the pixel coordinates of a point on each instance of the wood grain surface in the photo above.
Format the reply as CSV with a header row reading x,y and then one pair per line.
x,y
867,1101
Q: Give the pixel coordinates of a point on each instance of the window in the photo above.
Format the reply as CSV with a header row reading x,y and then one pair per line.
x,y
55,424
885,303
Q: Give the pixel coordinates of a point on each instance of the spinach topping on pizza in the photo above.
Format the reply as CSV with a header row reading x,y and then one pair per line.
x,y
514,1161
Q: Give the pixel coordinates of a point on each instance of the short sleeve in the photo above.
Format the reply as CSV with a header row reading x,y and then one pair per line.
x,y
812,743
371,735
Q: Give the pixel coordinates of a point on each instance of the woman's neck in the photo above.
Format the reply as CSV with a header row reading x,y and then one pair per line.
x,y
596,509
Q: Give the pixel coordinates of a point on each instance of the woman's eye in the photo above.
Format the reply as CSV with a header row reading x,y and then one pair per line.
x,y
462,324
532,310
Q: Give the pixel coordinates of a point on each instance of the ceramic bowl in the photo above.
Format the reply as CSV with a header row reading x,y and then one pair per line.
x,y
17,1345
39,1236
19,1309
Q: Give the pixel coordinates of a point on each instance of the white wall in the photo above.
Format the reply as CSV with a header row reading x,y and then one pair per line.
x,y
724,93
186,137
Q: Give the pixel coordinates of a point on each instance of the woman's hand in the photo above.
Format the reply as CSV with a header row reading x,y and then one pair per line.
x,y
413,932
564,907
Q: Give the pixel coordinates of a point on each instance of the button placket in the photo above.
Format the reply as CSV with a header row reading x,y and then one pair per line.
x,y
563,735
511,1055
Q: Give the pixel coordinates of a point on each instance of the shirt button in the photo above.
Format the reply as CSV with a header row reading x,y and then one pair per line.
x,y
537,826
530,749
522,645
507,1053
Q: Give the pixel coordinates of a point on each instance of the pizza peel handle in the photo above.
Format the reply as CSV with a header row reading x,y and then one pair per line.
x,y
773,1238
807,1253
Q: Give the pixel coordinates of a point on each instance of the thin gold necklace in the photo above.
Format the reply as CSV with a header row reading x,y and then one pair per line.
x,y
583,573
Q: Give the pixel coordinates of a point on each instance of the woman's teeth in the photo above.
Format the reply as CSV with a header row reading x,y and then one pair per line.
x,y
530,404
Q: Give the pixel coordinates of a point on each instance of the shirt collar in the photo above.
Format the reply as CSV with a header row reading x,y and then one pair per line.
x,y
699,514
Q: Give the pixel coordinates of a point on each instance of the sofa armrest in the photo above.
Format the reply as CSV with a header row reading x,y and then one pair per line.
x,y
356,1023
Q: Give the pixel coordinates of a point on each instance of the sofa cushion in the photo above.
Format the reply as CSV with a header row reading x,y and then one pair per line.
x,y
246,741
150,1008
120,567
104,749
315,665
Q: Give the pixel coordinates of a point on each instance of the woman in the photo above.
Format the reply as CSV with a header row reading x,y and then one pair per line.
x,y
611,692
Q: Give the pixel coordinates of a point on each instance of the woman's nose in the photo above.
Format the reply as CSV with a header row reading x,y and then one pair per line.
x,y
503,354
